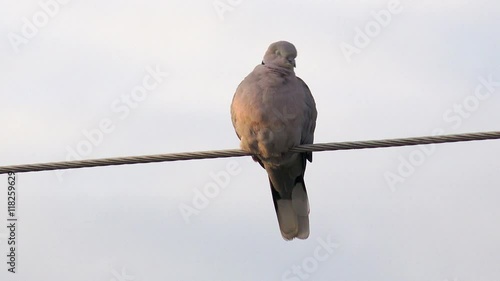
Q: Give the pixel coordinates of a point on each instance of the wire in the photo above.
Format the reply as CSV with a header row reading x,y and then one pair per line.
x,y
238,153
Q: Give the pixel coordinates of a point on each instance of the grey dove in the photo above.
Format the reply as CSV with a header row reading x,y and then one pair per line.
x,y
272,111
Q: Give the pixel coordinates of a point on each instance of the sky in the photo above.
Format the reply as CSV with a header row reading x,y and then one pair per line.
x,y
96,79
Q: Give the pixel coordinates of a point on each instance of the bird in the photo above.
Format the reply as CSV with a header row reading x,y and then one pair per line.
x,y
273,111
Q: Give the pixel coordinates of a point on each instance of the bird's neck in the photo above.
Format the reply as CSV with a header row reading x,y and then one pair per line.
x,y
279,70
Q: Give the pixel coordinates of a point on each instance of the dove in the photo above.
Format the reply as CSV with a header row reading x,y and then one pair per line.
x,y
273,111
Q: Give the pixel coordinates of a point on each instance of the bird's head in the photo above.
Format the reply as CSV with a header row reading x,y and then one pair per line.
x,y
281,54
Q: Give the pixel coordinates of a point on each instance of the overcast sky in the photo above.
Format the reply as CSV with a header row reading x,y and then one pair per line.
x,y
94,79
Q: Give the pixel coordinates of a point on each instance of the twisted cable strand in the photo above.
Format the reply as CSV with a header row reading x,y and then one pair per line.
x,y
238,152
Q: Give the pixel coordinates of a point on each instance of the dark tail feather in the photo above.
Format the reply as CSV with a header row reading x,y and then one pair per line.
x,y
292,211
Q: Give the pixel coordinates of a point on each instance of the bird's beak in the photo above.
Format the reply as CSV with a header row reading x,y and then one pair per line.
x,y
292,62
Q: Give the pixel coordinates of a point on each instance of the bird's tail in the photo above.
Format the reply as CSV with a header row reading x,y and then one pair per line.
x,y
292,209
